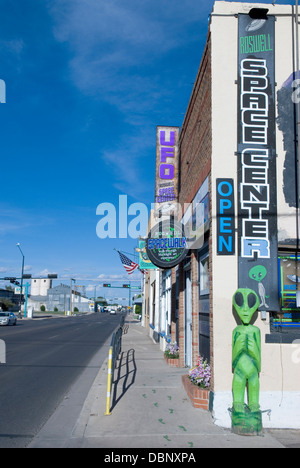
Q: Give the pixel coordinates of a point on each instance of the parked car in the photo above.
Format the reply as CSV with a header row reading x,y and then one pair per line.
x,y
8,318
112,312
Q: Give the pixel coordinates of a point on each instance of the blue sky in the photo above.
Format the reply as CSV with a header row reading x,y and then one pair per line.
x,y
87,82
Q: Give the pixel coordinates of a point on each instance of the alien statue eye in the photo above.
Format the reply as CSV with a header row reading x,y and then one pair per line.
x,y
251,300
239,299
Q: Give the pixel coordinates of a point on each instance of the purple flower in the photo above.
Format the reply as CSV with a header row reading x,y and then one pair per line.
x,y
201,374
172,350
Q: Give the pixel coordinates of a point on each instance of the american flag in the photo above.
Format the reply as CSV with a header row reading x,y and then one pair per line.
x,y
128,264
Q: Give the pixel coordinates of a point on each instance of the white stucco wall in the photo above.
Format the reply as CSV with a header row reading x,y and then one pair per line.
x,y
280,376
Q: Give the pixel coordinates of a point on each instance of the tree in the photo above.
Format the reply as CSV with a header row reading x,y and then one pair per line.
x,y
6,304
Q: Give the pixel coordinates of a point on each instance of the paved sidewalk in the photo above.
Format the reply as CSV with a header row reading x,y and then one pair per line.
x,y
150,408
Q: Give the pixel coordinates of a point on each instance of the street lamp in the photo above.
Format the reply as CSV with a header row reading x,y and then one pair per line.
x,y
71,292
23,258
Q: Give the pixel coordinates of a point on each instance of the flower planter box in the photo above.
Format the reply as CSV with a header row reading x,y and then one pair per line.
x,y
172,362
198,396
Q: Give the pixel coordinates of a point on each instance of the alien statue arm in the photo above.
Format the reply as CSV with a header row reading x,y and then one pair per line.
x,y
254,347
237,347
246,340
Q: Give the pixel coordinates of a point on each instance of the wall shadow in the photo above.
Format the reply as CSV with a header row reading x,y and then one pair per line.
x,y
125,376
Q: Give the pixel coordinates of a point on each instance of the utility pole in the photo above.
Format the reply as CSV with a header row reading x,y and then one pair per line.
x,y
71,295
21,292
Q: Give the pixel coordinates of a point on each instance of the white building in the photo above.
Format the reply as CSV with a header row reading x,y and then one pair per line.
x,y
40,286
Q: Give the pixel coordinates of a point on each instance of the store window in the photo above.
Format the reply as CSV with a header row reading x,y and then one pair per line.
x,y
177,305
285,324
204,326
153,294
289,292
166,303
204,275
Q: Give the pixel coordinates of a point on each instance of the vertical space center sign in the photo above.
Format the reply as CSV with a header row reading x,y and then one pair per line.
x,y
257,203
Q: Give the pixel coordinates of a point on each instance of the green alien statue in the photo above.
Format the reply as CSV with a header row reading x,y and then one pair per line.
x,y
246,363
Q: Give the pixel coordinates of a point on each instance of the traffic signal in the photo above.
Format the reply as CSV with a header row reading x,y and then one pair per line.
x,y
12,279
107,285
126,285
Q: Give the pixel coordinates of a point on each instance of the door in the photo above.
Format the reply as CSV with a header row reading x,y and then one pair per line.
x,y
188,319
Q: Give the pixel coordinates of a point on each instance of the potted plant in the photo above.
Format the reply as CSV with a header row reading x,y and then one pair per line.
x,y
197,384
172,354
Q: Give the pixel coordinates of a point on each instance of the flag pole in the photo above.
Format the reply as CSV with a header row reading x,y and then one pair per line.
x,y
127,253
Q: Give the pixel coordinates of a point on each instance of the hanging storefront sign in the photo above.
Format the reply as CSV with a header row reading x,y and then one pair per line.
x,y
144,262
166,177
257,203
166,245
225,217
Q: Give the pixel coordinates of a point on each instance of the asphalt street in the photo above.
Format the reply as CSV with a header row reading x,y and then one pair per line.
x,y
43,360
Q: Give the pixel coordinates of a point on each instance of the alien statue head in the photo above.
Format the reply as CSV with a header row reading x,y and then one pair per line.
x,y
245,302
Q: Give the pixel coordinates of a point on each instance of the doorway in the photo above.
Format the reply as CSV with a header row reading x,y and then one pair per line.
x,y
188,318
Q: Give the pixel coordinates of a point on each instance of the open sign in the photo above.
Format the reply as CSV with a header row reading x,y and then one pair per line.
x,y
225,217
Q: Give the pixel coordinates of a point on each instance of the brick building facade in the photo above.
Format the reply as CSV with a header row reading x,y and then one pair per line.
x,y
195,166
